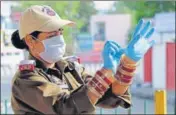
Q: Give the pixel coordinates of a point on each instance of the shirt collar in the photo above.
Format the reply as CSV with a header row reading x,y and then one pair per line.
x,y
39,64
61,65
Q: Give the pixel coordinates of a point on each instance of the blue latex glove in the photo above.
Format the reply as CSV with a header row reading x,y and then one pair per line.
x,y
140,43
111,55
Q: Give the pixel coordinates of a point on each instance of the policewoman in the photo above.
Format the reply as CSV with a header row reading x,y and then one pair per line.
x,y
38,86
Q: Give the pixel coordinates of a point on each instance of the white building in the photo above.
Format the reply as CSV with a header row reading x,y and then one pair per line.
x,y
10,56
115,27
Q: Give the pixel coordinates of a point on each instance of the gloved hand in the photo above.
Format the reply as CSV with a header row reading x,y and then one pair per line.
x,y
140,43
111,55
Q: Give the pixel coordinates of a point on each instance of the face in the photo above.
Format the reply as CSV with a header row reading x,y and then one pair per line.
x,y
35,44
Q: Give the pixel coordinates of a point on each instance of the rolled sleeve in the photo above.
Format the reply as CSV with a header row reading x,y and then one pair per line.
x,y
110,100
125,100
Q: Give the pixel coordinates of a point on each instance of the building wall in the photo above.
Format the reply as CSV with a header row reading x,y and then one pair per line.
x,y
158,66
116,26
148,66
170,72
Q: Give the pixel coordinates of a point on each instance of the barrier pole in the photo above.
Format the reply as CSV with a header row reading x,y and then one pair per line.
x,y
160,102
115,111
175,109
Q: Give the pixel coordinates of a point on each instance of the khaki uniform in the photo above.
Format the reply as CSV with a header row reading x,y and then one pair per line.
x,y
41,91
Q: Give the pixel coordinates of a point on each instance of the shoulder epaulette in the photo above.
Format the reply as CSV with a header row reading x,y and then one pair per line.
x,y
27,65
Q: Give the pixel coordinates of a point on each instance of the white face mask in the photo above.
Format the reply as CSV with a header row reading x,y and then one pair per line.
x,y
54,49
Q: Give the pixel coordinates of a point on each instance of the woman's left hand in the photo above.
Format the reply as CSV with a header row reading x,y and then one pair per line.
x,y
140,43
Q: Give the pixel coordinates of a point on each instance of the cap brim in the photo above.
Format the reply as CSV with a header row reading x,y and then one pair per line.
x,y
55,24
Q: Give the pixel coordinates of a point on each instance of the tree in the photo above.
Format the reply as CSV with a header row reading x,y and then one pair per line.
x,y
142,9
78,11
86,10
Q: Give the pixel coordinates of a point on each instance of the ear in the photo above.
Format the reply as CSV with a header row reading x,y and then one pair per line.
x,y
31,44
35,47
29,41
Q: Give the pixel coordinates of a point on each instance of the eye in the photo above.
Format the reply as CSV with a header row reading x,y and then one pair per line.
x,y
61,31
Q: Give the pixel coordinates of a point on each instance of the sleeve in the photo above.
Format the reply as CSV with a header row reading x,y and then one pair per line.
x,y
109,100
49,98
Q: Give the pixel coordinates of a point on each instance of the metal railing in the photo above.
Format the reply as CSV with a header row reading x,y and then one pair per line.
x,y
9,70
7,109
159,102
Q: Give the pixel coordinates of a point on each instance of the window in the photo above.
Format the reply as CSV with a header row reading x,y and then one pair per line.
x,y
17,53
9,54
100,34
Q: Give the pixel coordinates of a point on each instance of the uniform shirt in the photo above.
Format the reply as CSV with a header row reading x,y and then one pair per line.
x,y
44,91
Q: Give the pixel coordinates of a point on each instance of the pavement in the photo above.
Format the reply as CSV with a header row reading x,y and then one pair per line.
x,y
147,92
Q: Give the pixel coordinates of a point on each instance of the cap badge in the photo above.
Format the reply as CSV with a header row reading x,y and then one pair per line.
x,y
48,11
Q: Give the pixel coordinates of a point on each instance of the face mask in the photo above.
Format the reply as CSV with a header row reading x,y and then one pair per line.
x,y
54,49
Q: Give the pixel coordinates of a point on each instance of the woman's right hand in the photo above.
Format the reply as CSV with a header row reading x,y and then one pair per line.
x,y
111,55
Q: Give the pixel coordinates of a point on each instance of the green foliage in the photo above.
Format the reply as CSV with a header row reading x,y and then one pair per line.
x,y
77,11
142,9
86,9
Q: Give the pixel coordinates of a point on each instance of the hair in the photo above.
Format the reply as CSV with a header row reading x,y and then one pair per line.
x,y
20,43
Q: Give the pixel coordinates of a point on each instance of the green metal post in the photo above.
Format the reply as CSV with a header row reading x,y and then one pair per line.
x,y
101,111
175,109
115,111
145,106
6,108
129,111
